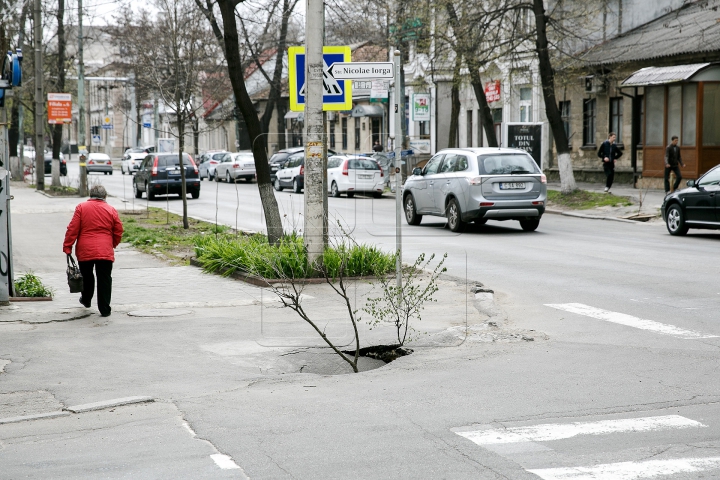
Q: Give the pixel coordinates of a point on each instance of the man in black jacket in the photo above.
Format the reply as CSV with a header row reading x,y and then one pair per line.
x,y
609,153
672,164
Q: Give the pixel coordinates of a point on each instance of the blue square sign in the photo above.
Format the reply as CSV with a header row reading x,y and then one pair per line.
x,y
338,93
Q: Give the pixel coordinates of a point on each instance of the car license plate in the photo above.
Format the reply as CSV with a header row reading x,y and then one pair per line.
x,y
512,185
364,177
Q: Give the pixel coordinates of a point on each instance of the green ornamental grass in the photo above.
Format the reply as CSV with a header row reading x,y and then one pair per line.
x,y
30,285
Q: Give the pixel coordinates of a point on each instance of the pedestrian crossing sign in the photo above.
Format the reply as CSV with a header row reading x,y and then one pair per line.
x,y
338,93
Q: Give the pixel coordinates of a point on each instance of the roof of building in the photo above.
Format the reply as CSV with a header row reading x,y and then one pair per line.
x,y
692,28
663,75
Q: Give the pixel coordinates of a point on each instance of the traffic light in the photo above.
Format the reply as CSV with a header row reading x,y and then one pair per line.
x,y
95,130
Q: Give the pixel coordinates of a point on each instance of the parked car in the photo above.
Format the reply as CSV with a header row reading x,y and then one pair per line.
x,y
48,164
350,174
132,159
697,206
99,162
147,149
477,184
292,174
159,174
280,158
208,161
235,166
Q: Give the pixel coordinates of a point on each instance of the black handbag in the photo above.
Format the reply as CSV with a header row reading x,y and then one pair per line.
x,y
75,278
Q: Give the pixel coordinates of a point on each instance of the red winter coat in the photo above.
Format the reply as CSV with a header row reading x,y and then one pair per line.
x,y
97,228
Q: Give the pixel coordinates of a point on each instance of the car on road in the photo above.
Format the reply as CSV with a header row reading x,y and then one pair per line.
x,y
292,174
280,158
132,159
208,161
476,185
160,174
350,174
48,164
99,162
697,206
236,166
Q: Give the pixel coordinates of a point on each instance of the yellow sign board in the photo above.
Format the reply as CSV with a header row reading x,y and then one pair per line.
x,y
338,93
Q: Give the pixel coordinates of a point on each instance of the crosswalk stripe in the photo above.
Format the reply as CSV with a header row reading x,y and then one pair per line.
x,y
560,431
630,470
628,320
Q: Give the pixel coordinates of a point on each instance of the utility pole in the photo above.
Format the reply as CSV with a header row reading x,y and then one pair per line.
x,y
39,105
399,113
316,221
82,138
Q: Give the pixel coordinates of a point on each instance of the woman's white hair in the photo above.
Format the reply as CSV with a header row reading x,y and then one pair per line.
x,y
98,191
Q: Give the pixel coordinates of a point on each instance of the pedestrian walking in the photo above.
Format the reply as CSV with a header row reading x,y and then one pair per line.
x,y
377,147
609,153
95,230
672,164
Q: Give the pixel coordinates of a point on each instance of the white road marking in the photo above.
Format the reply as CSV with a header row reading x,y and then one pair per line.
x,y
224,462
630,470
628,320
560,431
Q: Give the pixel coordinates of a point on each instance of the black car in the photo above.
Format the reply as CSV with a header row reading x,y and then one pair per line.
x,y
159,174
280,158
48,165
697,206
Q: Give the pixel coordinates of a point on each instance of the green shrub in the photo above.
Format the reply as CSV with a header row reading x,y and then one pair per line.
x,y
30,285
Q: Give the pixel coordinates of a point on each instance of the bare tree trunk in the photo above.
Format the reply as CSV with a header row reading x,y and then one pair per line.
x,y
567,178
455,105
247,109
60,87
181,147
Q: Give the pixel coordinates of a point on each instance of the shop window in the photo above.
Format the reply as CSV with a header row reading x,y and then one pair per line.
x,y
711,115
526,104
565,115
332,135
479,128
689,117
616,118
344,132
497,115
655,115
424,128
674,111
357,134
469,128
641,141
589,116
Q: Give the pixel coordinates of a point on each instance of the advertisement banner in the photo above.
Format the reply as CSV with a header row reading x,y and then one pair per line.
x,y
59,108
528,137
421,107
379,91
492,91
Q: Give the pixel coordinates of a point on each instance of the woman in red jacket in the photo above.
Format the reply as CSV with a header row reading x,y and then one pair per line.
x,y
97,229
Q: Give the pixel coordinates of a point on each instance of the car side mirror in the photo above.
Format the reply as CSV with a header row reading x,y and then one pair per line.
x,y
691,183
417,171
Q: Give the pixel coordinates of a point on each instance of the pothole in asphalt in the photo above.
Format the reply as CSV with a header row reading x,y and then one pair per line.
x,y
324,361
159,312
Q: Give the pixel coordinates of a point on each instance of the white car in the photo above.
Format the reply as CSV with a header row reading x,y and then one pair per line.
x,y
235,166
132,159
208,161
99,162
349,174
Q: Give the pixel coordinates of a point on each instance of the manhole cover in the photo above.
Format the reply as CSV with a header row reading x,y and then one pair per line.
x,y
159,312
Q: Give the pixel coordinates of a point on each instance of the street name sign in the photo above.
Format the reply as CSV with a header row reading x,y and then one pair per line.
x,y
337,93
361,70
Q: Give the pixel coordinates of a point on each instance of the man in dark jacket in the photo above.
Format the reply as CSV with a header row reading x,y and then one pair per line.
x,y
97,229
672,164
609,153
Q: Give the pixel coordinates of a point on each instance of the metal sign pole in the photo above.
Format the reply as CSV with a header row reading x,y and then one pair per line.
x,y
398,174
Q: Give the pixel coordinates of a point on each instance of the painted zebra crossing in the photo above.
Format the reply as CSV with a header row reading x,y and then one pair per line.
x,y
530,445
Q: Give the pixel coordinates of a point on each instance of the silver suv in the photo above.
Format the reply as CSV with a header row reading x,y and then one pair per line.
x,y
477,185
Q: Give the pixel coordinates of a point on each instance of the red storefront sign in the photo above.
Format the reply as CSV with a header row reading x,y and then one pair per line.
x,y
59,108
492,91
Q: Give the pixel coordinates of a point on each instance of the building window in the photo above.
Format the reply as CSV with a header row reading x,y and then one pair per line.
x,y
357,134
565,115
589,113
469,129
424,128
711,115
332,134
689,114
655,115
616,118
526,104
343,127
497,115
480,138
641,99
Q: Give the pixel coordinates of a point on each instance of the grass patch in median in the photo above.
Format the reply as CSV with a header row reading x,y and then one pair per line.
x,y
254,255
157,231
583,200
30,285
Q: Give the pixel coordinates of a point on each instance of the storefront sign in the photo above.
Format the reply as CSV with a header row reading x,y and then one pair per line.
x,y
492,91
421,107
420,145
59,108
379,91
528,137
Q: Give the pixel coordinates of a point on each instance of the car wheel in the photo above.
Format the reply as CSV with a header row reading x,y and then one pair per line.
x,y
411,215
296,186
195,194
227,177
138,193
334,191
105,173
676,221
111,172
277,185
454,219
529,225
150,195
377,194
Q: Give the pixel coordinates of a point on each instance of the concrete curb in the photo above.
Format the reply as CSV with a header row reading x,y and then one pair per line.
x,y
38,416
118,402
590,217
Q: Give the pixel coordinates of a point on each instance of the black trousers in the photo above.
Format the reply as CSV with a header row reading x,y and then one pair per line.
x,y
678,177
609,177
103,270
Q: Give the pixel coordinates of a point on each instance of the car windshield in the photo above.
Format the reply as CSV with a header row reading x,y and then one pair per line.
x,y
278,157
172,160
506,164
136,150
358,164
245,157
